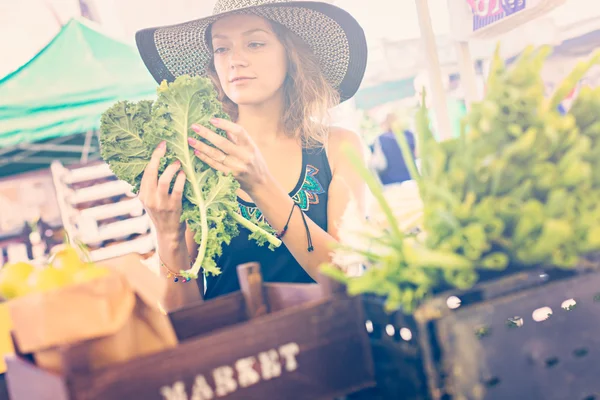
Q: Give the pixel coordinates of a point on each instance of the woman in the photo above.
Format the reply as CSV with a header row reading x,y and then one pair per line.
x,y
278,67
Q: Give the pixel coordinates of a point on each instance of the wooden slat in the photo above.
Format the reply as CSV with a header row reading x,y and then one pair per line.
x,y
330,286
205,317
333,358
284,295
251,286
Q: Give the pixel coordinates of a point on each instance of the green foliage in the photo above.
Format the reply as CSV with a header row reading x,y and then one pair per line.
x,y
131,131
519,187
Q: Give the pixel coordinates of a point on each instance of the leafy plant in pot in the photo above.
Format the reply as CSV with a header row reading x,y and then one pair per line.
x,y
517,190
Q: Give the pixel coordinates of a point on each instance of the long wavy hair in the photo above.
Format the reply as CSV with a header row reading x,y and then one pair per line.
x,y
308,96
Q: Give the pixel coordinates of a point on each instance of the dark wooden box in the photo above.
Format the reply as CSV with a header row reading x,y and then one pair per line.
x,y
268,341
530,335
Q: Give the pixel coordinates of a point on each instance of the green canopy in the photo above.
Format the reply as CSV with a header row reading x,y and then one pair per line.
x,y
65,88
382,93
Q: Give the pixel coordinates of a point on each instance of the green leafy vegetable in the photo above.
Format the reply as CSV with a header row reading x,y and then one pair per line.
x,y
518,188
131,132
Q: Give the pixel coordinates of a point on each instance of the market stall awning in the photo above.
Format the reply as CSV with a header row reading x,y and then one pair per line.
x,y
385,92
64,89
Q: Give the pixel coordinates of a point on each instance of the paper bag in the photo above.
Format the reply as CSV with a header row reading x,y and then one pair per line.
x,y
92,325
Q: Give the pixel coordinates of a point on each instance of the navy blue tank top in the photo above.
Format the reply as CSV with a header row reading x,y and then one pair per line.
x,y
278,265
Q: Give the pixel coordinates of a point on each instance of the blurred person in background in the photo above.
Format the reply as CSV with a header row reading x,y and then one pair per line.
x,y
386,156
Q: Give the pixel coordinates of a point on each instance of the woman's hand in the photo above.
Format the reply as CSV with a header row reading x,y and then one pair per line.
x,y
163,208
238,154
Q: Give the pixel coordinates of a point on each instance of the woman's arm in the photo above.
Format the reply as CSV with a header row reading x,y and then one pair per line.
x,y
174,253
346,185
163,206
240,156
275,204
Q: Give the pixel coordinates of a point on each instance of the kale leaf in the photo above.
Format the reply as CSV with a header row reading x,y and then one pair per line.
x,y
131,131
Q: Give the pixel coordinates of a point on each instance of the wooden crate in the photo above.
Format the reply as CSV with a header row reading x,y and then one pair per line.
x,y
267,341
530,335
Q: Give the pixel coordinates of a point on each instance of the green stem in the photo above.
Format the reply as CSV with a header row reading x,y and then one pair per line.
x,y
367,254
203,224
571,80
375,187
255,228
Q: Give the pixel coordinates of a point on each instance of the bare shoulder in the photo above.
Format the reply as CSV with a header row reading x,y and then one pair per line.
x,y
339,135
338,139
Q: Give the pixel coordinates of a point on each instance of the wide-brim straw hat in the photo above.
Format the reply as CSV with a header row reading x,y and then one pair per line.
x,y
333,34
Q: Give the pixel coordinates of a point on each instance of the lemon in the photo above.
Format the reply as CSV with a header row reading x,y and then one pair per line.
x,y
67,260
13,279
48,278
90,273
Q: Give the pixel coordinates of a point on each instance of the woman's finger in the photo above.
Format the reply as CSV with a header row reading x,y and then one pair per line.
x,y
233,138
164,182
219,141
177,193
212,152
235,132
150,177
213,163
230,161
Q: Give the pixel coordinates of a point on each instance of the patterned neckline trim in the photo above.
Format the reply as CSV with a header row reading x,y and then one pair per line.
x,y
307,195
294,191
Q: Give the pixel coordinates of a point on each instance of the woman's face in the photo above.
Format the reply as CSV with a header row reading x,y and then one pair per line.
x,y
250,61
